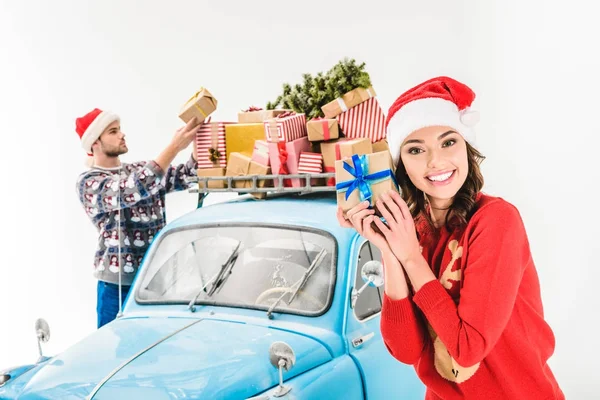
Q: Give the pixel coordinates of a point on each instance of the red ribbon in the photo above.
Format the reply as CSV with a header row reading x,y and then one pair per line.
x,y
253,108
283,157
330,181
286,114
326,132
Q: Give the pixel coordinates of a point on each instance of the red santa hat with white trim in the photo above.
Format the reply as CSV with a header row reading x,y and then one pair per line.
x,y
440,101
90,127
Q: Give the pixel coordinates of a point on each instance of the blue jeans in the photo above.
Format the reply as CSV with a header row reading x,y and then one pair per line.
x,y
107,306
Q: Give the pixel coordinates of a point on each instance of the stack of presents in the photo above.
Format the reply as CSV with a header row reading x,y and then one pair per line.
x,y
349,140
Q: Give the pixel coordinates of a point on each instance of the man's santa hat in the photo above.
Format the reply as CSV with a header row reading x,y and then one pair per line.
x,y
440,101
90,127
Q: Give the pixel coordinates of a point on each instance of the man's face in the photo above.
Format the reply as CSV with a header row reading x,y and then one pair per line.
x,y
112,141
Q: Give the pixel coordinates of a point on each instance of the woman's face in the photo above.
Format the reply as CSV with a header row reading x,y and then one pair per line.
x,y
435,159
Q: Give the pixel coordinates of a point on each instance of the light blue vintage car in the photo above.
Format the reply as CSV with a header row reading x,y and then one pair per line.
x,y
247,299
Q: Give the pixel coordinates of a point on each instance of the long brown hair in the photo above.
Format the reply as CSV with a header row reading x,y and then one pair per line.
x,y
464,204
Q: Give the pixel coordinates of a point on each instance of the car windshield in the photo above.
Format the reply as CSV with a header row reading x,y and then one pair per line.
x,y
242,266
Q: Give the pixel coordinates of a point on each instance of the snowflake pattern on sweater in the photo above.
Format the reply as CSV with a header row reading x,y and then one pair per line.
x,y
127,206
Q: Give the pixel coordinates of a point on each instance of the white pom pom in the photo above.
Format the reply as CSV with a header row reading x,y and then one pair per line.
x,y
469,117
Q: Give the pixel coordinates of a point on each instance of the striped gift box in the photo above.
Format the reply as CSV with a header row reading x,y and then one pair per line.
x,y
210,143
286,129
365,120
310,163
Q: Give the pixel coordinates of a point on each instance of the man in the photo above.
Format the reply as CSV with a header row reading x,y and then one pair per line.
x,y
125,201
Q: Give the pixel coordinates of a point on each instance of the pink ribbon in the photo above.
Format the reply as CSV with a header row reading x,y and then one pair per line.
x,y
286,114
252,108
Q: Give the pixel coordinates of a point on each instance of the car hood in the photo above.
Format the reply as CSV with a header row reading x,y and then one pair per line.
x,y
170,358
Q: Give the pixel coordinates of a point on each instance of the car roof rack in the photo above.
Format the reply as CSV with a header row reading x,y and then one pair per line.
x,y
310,183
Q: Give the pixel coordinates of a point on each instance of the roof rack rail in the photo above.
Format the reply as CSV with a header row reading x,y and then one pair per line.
x,y
227,183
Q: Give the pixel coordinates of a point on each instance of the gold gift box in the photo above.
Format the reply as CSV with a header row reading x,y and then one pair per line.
x,y
240,138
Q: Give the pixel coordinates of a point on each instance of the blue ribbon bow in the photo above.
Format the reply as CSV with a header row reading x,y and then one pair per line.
x,y
361,180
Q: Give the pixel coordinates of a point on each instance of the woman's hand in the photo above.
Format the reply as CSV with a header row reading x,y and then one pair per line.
x,y
399,231
361,218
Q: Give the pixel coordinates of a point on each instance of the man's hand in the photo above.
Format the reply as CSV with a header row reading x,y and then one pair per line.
x,y
185,135
181,140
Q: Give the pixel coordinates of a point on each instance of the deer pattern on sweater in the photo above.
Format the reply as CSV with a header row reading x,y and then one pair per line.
x,y
445,365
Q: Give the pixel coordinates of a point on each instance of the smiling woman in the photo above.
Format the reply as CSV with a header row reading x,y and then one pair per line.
x,y
446,167
462,296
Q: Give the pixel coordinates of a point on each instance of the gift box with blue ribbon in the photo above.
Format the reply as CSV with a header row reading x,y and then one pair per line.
x,y
364,177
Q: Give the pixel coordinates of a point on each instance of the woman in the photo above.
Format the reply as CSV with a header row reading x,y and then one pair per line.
x,y
462,297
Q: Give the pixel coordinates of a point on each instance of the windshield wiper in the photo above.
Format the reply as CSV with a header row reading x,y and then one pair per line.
x,y
225,270
191,306
301,282
218,278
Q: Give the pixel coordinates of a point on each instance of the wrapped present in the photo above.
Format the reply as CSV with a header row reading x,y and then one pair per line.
x,y
322,129
310,163
364,177
285,158
240,138
259,169
382,145
287,127
344,148
364,120
347,101
341,149
261,153
238,164
211,172
257,115
210,145
200,105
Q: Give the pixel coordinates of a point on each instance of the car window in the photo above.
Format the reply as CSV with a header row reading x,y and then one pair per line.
x,y
242,266
370,300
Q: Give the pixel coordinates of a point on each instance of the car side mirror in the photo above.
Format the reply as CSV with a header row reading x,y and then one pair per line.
x,y
282,357
42,331
372,275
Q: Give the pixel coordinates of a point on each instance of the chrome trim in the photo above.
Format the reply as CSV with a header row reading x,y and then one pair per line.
x,y
362,339
124,364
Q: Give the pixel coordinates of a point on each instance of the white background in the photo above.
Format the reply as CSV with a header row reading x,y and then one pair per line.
x,y
534,69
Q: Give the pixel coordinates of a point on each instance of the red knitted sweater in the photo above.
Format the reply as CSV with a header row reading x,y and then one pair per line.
x,y
479,331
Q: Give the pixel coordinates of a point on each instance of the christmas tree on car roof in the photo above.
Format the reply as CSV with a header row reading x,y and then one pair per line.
x,y
317,91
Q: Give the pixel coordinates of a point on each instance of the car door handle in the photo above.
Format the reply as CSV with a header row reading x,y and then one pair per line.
x,y
362,339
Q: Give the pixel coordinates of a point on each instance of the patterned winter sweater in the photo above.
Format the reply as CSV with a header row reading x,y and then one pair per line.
x,y
127,205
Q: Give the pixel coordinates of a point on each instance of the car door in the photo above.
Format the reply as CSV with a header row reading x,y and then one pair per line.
x,y
384,377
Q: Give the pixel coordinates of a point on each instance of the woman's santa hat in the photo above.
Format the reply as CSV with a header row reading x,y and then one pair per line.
x,y
440,101
91,125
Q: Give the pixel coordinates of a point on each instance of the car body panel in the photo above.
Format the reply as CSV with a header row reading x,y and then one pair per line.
x,y
167,351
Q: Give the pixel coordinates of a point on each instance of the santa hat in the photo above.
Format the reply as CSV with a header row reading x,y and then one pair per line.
x,y
90,127
440,101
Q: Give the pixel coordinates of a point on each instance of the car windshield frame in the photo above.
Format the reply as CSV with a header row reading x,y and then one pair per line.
x,y
143,273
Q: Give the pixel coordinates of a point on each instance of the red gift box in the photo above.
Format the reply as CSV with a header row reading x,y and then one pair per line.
x,y
285,158
310,163
285,128
365,120
210,145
